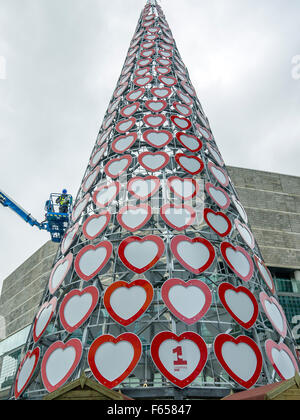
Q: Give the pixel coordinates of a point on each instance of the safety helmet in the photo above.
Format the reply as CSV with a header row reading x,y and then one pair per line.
x,y
64,191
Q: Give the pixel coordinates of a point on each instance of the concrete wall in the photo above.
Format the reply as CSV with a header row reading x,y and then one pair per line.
x,y
272,202
22,290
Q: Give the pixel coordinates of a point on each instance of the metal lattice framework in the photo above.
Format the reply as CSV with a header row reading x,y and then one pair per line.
x,y
155,152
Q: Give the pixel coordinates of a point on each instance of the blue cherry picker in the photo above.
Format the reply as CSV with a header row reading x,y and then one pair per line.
x,y
58,211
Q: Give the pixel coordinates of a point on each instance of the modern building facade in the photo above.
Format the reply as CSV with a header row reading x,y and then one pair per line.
x,y
158,216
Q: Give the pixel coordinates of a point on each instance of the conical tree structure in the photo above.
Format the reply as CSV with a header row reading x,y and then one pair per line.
x,y
158,282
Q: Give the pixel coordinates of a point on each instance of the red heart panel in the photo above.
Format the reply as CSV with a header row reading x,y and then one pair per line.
x,y
239,208
125,125
116,167
204,132
183,109
184,188
120,89
97,155
240,303
188,88
165,54
147,53
282,359
26,370
43,318
105,194
77,306
143,81
109,120
59,362
128,110
132,218
143,188
142,72
96,224
162,70
144,62
191,164
238,260
122,353
165,46
219,174
178,217
164,62
90,179
154,120
104,136
141,254
180,122
114,105
147,44
179,358
215,154
218,195
153,162
188,301
240,357
122,143
157,138
196,255
161,93
126,302
274,312
59,272
91,259
184,97
79,207
168,81
265,273
218,222
134,95
245,233
156,106
69,238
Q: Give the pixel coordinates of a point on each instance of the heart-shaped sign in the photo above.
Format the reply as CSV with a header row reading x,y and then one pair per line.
x,y
91,259
153,30
26,371
125,125
165,54
59,272
96,224
240,303
142,72
126,302
184,188
90,179
123,143
109,120
156,106
132,218
154,120
191,164
240,357
179,358
282,359
188,88
161,92
147,44
153,162
190,142
144,62
134,95
274,312
143,81
126,70
141,254
218,222
219,174
162,70
239,208
265,273
183,109
157,138
80,207
97,155
204,132
112,359
184,97
77,306
128,110
168,81
178,217
245,233
115,167
43,318
215,155
196,255
164,61
114,105
180,122
151,37
188,301
218,195
120,89
59,362
147,53
238,260
103,136
143,188
69,238
105,194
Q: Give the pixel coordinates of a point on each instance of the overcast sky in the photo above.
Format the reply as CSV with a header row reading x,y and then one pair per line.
x,y
59,64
